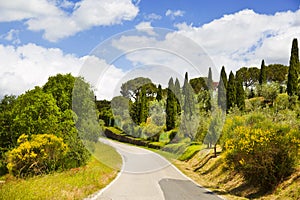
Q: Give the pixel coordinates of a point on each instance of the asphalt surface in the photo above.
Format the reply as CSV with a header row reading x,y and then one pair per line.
x,y
148,176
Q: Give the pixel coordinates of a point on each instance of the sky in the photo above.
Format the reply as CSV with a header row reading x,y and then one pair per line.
x,y
111,41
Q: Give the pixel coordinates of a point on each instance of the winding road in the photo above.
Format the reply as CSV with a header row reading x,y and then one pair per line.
x,y
146,175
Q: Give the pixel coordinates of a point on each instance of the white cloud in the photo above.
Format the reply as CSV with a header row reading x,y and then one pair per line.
x,y
163,56
245,38
145,27
153,16
26,66
30,65
12,35
48,16
174,13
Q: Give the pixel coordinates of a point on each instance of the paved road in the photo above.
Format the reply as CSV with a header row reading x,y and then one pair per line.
x,y
148,176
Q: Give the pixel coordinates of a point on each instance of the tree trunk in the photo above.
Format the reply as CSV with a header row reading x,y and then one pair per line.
x,y
215,150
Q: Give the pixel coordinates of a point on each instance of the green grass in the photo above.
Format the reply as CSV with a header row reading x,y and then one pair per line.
x,y
190,151
76,183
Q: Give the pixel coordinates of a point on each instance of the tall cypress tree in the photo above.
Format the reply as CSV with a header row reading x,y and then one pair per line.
x,y
222,89
240,93
189,101
263,73
209,80
292,84
178,95
159,93
231,91
143,106
224,77
171,106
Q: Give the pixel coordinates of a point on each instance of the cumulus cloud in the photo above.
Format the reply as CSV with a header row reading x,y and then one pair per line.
x,y
145,27
30,65
245,38
165,54
174,13
56,23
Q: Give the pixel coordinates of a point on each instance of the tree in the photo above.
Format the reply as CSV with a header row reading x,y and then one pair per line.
x,y
249,75
132,88
189,101
178,96
222,89
61,88
199,84
292,84
171,106
240,94
209,80
277,73
231,91
224,77
263,73
159,93
143,106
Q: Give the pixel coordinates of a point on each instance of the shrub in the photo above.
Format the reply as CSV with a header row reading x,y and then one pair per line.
x,y
42,154
263,156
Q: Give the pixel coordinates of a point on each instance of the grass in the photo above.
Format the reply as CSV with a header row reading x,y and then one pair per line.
x,y
190,151
215,176
76,183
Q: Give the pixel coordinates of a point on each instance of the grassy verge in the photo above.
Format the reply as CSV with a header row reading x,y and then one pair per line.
x,y
73,184
214,176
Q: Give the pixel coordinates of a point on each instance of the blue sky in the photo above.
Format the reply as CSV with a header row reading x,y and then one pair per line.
x,y
39,38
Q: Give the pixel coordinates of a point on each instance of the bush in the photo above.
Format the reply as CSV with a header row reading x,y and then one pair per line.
x,y
263,156
42,154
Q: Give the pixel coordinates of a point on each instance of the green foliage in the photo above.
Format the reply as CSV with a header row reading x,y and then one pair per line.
x,y
240,94
209,80
277,73
105,112
222,89
231,92
42,153
171,107
263,73
156,112
199,84
281,102
264,152
269,91
35,112
61,87
159,93
215,128
292,84
249,75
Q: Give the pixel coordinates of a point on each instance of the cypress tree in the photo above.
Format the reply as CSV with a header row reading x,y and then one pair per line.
x,y
178,95
159,93
222,89
292,84
189,101
171,106
224,77
231,91
240,93
263,73
143,106
209,80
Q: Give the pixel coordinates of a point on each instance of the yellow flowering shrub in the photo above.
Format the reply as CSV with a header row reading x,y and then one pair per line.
x,y
264,156
41,154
